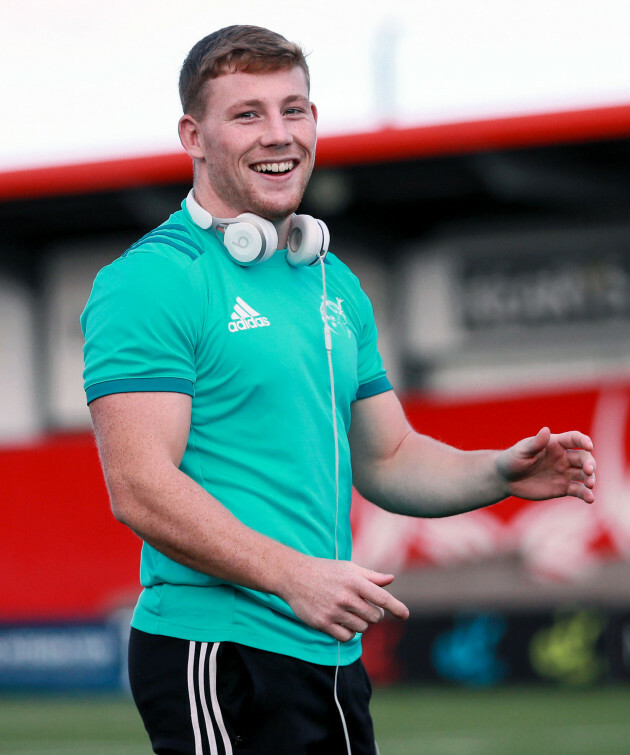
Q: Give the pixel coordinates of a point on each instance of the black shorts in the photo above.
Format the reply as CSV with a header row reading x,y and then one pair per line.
x,y
222,698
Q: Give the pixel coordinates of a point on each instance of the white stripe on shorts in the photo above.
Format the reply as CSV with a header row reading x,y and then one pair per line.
x,y
212,678
192,700
202,697
196,669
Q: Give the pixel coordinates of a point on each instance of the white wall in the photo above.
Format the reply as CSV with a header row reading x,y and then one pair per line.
x,y
19,416
70,270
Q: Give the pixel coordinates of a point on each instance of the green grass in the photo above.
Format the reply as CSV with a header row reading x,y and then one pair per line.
x,y
419,720
506,721
45,725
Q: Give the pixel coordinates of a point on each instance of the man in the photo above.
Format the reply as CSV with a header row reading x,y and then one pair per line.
x,y
233,415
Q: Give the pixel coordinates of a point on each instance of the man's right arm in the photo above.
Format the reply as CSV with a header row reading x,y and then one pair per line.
x,y
142,438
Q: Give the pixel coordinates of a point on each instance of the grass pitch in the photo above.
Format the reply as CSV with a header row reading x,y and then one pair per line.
x,y
418,721
503,721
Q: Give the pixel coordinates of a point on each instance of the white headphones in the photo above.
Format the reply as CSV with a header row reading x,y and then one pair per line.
x,y
250,239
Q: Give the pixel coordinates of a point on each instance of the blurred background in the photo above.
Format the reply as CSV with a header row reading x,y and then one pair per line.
x,y
473,169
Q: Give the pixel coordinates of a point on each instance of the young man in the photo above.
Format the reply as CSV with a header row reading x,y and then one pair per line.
x,y
234,407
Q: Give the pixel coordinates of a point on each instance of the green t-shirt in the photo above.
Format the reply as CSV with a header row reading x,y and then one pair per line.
x,y
175,313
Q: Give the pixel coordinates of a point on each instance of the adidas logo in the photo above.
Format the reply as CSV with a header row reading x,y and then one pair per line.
x,y
245,317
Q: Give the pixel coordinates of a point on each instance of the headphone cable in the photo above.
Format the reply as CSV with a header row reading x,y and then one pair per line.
x,y
328,344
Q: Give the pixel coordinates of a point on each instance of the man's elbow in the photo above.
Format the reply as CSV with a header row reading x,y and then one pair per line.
x,y
121,506
123,499
367,484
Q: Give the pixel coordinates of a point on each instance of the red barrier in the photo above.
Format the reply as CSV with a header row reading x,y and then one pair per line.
x,y
63,554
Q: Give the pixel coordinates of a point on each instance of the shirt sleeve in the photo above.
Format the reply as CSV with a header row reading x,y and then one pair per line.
x,y
371,372
140,327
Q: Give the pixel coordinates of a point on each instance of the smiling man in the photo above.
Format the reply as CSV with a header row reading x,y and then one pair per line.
x,y
253,142
237,393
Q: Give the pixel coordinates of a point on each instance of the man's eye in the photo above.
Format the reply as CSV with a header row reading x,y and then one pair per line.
x,y
247,115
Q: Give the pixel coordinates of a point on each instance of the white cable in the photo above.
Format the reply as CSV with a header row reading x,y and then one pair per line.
x,y
338,704
328,344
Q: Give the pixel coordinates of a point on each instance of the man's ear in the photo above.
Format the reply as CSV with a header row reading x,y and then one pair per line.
x,y
314,111
189,136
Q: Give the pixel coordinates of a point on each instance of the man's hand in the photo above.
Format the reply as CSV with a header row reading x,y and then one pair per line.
x,y
549,466
338,597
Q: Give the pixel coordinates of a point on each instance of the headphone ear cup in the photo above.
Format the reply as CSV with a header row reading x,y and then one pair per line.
x,y
308,240
250,239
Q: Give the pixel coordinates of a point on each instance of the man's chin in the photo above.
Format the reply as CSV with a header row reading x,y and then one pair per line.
x,y
275,208
276,214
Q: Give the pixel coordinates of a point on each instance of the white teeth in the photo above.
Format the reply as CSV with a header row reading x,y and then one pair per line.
x,y
274,167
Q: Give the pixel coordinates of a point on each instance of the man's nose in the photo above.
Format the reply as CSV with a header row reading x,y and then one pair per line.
x,y
276,132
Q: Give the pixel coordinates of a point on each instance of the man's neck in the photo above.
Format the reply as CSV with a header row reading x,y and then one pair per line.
x,y
217,210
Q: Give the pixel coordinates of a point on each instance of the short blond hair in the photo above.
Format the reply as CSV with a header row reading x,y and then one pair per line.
x,y
234,48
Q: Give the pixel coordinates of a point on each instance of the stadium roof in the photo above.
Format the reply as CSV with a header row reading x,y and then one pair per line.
x,y
385,145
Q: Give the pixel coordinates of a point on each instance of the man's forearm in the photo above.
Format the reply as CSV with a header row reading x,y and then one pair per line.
x,y
175,515
430,479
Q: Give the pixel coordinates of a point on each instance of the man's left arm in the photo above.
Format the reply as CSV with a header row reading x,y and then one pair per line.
x,y
409,473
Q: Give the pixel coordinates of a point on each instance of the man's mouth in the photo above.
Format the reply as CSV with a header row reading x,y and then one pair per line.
x,y
275,167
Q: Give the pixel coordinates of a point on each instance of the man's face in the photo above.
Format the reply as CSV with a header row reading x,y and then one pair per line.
x,y
255,144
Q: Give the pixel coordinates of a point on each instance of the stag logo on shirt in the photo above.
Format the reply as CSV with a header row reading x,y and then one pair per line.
x,y
333,313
